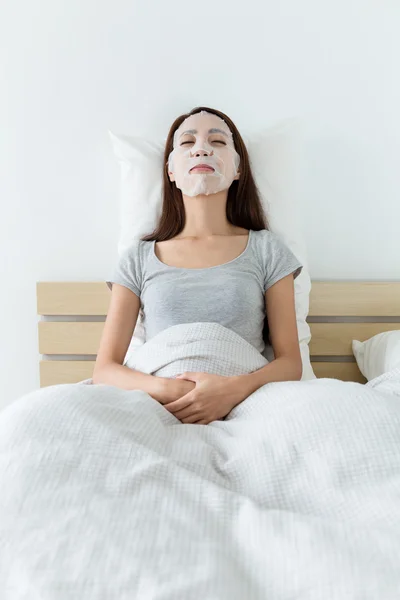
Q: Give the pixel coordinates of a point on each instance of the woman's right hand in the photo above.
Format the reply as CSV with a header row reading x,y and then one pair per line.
x,y
170,390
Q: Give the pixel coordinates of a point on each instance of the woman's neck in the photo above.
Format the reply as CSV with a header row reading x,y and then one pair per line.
x,y
206,216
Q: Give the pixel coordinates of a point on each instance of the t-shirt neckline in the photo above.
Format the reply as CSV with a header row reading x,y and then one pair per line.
x,y
155,257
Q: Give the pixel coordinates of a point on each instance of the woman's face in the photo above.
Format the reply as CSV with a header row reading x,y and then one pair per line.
x,y
203,139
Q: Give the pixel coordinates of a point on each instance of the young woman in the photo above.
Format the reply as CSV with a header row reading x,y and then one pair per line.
x,y
211,259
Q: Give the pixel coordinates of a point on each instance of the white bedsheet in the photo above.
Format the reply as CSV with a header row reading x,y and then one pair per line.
x,y
104,495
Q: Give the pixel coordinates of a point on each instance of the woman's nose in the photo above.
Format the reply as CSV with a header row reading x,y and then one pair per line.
x,y
202,152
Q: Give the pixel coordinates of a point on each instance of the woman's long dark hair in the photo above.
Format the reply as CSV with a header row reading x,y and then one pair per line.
x,y
243,206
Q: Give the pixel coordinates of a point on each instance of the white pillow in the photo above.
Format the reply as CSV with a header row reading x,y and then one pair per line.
x,y
275,158
378,355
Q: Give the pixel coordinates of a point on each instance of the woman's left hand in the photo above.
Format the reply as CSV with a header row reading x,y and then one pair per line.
x,y
213,398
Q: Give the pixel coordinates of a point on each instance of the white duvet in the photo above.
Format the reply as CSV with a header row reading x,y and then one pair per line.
x,y
104,495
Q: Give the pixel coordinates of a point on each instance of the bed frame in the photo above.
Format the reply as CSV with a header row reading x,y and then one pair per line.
x,y
73,315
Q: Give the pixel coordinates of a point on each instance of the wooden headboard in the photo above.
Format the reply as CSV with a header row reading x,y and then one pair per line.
x,y
73,314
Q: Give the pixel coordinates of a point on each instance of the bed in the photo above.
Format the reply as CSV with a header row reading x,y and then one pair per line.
x,y
73,314
295,494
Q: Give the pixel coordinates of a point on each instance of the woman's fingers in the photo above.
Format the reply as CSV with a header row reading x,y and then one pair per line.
x,y
190,419
190,376
186,412
180,404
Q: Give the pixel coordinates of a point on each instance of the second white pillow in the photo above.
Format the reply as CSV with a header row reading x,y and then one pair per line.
x,y
379,354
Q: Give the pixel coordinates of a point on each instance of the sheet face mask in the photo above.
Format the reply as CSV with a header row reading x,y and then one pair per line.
x,y
209,142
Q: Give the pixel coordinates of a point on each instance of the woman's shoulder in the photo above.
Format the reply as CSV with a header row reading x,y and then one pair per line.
x,y
264,238
269,244
264,234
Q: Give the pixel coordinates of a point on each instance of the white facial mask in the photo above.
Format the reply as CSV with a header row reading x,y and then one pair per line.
x,y
203,148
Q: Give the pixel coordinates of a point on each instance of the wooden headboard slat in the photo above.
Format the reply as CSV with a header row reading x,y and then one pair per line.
x,y
327,298
355,299
328,339
54,372
334,339
346,371
72,298
69,337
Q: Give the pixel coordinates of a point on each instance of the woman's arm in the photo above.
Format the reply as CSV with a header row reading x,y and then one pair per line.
x,y
117,334
281,314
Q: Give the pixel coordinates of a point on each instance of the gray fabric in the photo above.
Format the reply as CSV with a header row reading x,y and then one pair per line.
x,y
105,495
231,294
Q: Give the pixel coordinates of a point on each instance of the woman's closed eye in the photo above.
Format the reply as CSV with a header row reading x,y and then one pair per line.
x,y
212,142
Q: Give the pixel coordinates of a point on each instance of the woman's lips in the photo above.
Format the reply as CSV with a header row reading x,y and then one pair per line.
x,y
202,169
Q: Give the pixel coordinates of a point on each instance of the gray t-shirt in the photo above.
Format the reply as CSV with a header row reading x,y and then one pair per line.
x,y
231,294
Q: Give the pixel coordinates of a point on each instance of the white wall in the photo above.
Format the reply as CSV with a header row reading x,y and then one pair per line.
x,y
71,70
